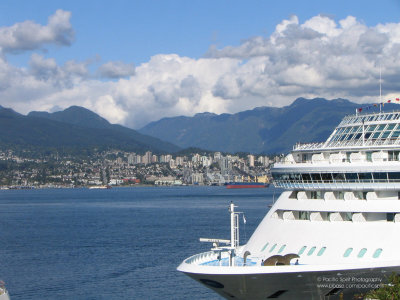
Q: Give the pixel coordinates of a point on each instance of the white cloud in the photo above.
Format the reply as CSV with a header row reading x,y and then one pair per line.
x,y
319,58
116,69
29,35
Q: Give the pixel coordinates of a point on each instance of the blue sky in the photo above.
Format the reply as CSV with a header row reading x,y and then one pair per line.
x,y
133,31
138,61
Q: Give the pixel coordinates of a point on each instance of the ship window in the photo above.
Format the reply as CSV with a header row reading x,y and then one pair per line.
x,y
390,217
351,177
369,156
321,251
301,251
381,127
272,248
349,137
365,176
377,253
385,134
340,195
360,195
282,248
265,246
376,135
390,126
380,176
347,252
371,127
294,176
393,155
338,176
362,252
315,195
304,215
316,177
347,216
394,176
326,177
306,177
396,134
367,135
311,251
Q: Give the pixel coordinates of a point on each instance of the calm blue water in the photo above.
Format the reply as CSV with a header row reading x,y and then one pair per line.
x,y
123,243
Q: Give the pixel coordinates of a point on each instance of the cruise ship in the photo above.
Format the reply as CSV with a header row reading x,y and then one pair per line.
x,y
333,233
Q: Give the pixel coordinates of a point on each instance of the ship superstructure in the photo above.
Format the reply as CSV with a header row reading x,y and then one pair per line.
x,y
335,228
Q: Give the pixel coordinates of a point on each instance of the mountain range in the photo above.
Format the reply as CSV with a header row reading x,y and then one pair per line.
x,y
74,128
261,130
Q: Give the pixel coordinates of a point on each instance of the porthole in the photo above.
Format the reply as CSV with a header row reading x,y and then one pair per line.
x,y
281,249
272,248
377,253
311,251
302,250
321,251
348,252
265,246
362,252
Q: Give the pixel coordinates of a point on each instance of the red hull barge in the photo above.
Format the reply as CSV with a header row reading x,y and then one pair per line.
x,y
246,185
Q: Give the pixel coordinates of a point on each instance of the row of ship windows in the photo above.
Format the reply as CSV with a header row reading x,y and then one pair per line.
x,y
337,177
372,132
336,216
321,251
370,118
349,156
334,195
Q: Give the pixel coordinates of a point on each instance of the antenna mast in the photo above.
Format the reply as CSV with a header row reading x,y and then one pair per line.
x,y
380,88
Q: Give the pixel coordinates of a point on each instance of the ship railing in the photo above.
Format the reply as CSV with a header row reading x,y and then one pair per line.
x,y
202,258
307,146
213,259
346,144
300,184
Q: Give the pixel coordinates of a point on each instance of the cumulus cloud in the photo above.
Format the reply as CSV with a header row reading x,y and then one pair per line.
x,y
116,69
29,35
318,58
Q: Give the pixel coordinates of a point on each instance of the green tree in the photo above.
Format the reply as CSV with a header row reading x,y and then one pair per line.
x,y
389,291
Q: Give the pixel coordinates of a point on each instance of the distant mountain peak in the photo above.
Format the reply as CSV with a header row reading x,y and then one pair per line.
x,y
76,115
205,115
260,130
74,128
4,111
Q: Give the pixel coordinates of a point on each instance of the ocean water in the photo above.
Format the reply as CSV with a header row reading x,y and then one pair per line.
x,y
122,243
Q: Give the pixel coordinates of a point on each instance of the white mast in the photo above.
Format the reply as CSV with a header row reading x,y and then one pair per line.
x,y
380,88
234,226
